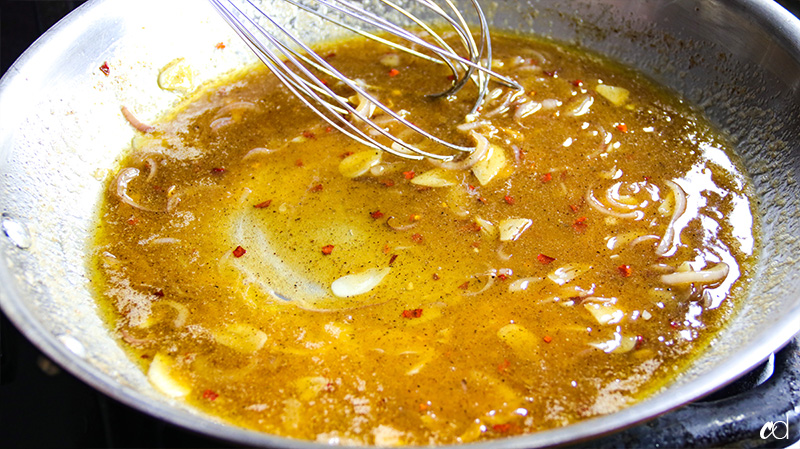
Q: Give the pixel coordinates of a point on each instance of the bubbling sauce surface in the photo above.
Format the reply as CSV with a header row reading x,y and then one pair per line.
x,y
274,273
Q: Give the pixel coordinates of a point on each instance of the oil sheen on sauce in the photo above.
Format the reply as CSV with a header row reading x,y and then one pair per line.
x,y
274,273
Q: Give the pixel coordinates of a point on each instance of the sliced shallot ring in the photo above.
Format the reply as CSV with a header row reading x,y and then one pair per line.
x,y
501,254
398,227
470,126
612,195
481,148
133,341
125,176
643,238
668,241
164,241
258,151
152,168
134,121
489,283
708,276
600,207
233,106
219,123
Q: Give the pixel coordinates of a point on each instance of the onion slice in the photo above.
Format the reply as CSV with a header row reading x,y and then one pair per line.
x,y
358,283
481,148
125,176
708,276
134,121
600,207
668,241
392,223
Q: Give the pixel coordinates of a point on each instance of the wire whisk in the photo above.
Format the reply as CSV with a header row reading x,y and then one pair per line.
x,y
294,62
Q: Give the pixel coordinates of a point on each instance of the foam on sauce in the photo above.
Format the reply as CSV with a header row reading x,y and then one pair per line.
x,y
274,273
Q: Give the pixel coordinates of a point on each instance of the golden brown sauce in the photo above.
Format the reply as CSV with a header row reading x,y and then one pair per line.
x,y
570,283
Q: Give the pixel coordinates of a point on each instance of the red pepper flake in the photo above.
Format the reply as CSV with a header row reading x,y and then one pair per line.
x,y
579,224
625,270
423,406
344,155
547,177
551,73
474,227
483,200
218,170
324,83
414,217
435,277
239,252
330,386
574,207
105,68
509,199
622,127
547,339
298,162
577,83
386,249
674,324
387,182
159,293
416,238
464,286
639,342
316,188
309,135
133,221
544,260
392,259
220,46
503,367
393,73
409,174
330,55
329,129
471,187
502,428
376,215
502,277
263,205
475,244
412,313
451,77
210,395
327,249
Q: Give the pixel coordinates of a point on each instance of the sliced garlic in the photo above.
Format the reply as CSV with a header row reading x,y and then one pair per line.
x,y
241,337
160,375
358,164
512,228
568,272
616,95
490,165
603,310
488,229
437,177
310,387
522,341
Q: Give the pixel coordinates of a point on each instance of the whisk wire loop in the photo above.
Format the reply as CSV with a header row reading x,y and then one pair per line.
x,y
289,58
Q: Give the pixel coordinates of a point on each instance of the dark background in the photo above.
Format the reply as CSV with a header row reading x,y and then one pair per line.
x,y
41,405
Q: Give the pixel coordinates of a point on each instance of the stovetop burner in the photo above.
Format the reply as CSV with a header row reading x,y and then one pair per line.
x,y
43,406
